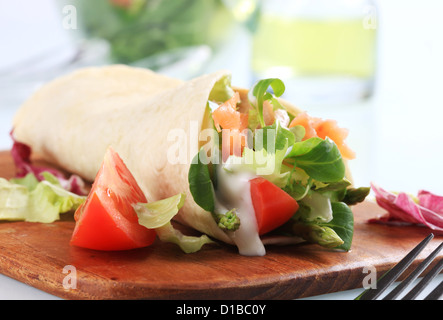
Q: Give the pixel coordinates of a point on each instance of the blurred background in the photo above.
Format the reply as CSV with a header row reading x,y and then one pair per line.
x,y
374,66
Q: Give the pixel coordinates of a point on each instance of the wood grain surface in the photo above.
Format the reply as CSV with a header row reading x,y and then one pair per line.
x,y
37,254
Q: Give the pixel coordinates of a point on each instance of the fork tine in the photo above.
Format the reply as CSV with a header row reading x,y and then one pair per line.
x,y
424,282
391,275
414,275
436,293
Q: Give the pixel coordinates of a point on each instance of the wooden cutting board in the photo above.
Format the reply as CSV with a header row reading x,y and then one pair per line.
x,y
40,255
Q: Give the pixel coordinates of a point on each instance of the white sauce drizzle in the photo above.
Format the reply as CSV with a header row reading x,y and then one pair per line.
x,y
233,191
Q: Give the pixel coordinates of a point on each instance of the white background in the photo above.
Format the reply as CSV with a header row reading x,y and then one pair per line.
x,y
398,134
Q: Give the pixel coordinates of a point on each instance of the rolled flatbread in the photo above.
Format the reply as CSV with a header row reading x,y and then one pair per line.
x,y
72,121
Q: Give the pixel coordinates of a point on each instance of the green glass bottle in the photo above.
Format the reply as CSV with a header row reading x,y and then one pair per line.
x,y
325,50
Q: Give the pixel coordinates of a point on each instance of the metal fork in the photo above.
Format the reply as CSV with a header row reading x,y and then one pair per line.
x,y
391,275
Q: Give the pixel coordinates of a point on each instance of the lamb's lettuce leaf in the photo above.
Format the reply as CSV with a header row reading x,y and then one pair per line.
x,y
336,233
342,223
273,138
200,183
319,158
312,171
259,93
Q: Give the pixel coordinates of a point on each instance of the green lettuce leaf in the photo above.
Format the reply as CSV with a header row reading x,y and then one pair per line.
x,y
158,215
200,183
299,132
260,163
222,90
319,158
336,233
317,208
259,94
342,223
266,159
273,138
188,244
29,200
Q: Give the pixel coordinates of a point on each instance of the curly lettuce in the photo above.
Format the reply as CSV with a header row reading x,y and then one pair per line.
x,y
158,215
31,200
311,170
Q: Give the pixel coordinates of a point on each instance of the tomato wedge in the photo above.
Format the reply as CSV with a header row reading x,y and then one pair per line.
x,y
273,207
106,220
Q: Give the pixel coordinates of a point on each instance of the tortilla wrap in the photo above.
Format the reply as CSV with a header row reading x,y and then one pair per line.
x,y
72,121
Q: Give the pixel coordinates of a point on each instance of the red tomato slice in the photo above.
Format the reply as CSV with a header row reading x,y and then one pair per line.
x,y
273,207
107,220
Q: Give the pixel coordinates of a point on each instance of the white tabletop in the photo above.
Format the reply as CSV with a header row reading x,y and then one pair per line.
x,y
397,134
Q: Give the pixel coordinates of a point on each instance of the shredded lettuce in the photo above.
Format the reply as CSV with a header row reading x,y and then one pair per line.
x,y
266,158
320,209
188,244
158,215
31,200
260,163
311,170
